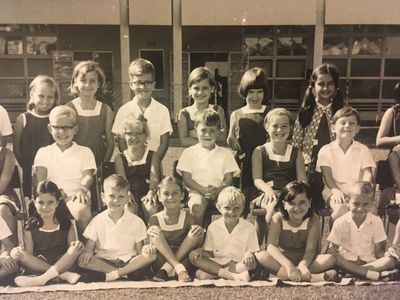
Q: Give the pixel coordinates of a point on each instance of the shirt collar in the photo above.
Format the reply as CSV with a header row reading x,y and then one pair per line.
x,y
354,144
349,219
287,226
215,149
247,110
73,146
322,107
38,116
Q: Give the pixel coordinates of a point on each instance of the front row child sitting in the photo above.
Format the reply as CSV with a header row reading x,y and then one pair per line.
x,y
8,265
173,233
115,238
230,244
358,238
206,168
50,243
293,239
343,161
67,164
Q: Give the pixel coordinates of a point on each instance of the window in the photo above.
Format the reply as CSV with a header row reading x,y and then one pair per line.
x,y
157,58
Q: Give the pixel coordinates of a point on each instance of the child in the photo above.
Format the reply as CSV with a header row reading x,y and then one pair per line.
x,y
5,127
9,202
293,239
173,232
51,245
246,130
274,164
344,161
205,167
115,237
67,164
312,129
141,73
230,244
358,237
201,85
8,265
31,126
140,166
94,118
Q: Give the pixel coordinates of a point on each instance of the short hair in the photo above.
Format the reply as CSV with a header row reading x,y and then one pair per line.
x,y
362,189
83,68
231,194
116,181
171,179
141,66
44,79
208,118
139,122
200,74
289,192
63,111
280,111
254,78
346,111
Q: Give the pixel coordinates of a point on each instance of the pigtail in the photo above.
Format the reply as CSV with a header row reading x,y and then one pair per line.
x,y
307,108
34,221
63,215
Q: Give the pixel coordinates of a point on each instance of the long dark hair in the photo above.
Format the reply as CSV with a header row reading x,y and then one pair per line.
x,y
307,107
62,214
289,192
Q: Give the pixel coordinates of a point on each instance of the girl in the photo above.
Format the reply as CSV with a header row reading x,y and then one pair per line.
x,y
140,166
293,239
31,131
312,129
274,164
51,245
246,130
201,85
94,118
173,232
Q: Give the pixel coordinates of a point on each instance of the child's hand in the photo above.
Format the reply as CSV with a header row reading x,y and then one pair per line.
x,y
86,257
211,193
269,198
150,202
305,272
196,231
195,255
17,253
8,263
338,197
81,196
249,260
294,274
149,250
76,247
394,251
234,143
153,231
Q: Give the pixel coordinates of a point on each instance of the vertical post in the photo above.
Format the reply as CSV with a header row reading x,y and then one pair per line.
x,y
319,33
177,56
124,43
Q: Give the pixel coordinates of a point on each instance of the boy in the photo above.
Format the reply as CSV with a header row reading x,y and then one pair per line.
x,y
344,161
206,168
8,265
67,164
115,237
358,238
141,73
230,242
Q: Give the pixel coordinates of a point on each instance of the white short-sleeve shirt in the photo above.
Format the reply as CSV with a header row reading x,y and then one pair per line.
x,y
65,168
116,240
4,229
357,242
232,246
346,167
207,167
158,120
5,124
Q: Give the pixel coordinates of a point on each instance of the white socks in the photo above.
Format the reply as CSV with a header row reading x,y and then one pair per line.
x,y
70,277
113,275
225,273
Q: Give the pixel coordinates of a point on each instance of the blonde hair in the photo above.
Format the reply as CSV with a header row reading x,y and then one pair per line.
x,y
278,112
43,79
139,122
116,181
230,194
63,111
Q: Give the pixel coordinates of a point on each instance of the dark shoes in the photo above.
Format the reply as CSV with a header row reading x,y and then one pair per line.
x,y
161,276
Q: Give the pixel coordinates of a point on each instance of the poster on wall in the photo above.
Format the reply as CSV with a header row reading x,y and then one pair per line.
x,y
40,45
63,65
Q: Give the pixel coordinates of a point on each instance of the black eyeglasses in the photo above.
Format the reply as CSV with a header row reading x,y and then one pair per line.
x,y
146,83
56,127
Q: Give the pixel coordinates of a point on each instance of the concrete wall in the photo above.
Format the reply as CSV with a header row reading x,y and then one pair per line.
x,y
150,12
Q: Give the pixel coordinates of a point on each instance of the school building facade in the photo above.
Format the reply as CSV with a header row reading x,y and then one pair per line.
x,y
286,37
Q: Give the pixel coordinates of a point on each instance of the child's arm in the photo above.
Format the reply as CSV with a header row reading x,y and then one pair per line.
x,y
311,246
221,137
121,143
40,174
88,253
232,140
183,133
19,126
367,174
119,166
164,143
300,168
139,246
380,249
86,183
394,249
7,171
256,163
192,184
337,195
108,135
154,176
382,138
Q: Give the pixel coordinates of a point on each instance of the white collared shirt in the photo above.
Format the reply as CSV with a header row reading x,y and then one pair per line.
x,y
65,168
158,120
208,167
231,246
357,242
116,240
